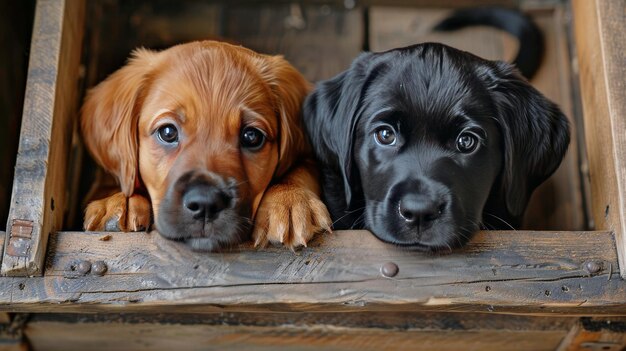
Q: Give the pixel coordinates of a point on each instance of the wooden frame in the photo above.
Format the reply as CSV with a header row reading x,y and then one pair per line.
x,y
598,26
50,108
540,273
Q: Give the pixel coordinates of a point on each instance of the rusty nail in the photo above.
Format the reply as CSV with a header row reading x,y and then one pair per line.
x,y
593,267
389,269
83,267
99,268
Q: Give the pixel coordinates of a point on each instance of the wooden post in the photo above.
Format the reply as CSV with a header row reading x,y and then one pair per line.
x,y
599,27
50,107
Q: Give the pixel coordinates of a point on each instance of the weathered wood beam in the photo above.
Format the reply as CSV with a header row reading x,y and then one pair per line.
x,y
574,273
39,184
272,331
599,27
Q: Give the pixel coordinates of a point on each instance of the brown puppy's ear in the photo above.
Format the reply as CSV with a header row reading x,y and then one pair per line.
x,y
289,88
109,119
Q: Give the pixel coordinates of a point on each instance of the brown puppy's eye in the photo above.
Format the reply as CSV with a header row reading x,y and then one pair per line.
x,y
168,134
467,142
252,138
385,136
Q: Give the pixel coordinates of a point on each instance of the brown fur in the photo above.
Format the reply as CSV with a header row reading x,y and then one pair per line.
x,y
210,89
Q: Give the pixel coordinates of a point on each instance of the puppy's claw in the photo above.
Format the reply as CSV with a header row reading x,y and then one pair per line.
x,y
260,237
117,213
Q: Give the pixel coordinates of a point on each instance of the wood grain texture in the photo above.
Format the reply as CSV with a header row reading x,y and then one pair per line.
x,y
320,41
50,108
599,28
508,272
557,204
607,334
295,331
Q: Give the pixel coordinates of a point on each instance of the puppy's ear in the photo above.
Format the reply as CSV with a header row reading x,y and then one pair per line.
x,y
109,119
535,134
331,114
289,88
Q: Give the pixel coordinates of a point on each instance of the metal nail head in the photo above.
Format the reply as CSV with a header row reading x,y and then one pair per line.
x,y
389,269
593,266
99,268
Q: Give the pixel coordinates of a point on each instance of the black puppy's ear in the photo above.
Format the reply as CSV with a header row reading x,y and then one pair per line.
x,y
535,133
331,114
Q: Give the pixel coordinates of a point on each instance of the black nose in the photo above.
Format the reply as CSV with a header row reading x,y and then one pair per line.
x,y
417,209
205,201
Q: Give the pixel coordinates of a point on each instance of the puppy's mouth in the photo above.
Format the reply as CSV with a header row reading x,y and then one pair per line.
x,y
420,222
204,210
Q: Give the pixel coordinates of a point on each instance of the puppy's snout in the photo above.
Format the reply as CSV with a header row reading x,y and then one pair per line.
x,y
205,201
418,209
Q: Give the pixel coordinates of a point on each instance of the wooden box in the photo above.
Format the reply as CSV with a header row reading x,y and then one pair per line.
x,y
557,286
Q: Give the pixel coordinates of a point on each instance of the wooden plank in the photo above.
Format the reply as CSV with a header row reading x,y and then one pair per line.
x,y
557,204
392,27
502,272
320,41
600,45
49,111
596,334
295,331
2,238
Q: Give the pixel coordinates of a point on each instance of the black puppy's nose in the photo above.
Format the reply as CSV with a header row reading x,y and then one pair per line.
x,y
205,201
419,209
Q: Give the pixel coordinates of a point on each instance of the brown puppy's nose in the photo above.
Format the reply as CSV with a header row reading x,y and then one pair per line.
x,y
205,201
417,209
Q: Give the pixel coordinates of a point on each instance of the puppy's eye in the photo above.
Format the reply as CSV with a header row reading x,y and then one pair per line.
x,y
168,134
385,135
252,138
467,142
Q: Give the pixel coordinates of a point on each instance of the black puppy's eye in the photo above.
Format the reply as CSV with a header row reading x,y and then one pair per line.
x,y
467,142
168,134
385,135
252,138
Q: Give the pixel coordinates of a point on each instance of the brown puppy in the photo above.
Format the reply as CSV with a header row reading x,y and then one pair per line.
x,y
212,131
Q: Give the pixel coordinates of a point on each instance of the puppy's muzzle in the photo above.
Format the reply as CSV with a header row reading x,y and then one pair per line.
x,y
205,201
419,210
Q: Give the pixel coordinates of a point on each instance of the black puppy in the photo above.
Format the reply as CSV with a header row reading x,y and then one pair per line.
x,y
423,145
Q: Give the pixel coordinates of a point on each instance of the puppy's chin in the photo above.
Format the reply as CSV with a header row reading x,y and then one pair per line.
x,y
229,229
442,234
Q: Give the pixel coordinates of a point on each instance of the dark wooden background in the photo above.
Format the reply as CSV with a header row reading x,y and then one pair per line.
x,y
321,38
16,20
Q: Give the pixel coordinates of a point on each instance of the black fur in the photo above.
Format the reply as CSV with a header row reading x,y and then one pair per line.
x,y
422,191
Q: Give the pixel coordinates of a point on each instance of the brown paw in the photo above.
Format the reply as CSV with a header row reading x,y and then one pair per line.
x,y
117,213
289,215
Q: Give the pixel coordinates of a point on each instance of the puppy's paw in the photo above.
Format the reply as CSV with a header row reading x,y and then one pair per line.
x,y
289,215
117,213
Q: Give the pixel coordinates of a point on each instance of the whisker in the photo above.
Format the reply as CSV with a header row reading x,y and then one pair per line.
x,y
501,220
347,214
